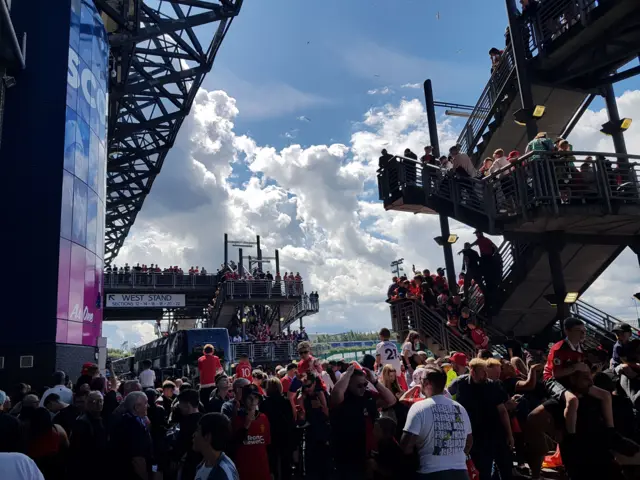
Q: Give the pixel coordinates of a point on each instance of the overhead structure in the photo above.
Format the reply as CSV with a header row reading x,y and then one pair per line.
x,y
160,52
564,223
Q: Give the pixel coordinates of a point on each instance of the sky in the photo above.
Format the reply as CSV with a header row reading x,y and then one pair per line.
x,y
283,139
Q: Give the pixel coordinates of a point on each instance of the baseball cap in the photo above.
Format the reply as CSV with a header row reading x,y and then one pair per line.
x,y
250,389
459,359
622,328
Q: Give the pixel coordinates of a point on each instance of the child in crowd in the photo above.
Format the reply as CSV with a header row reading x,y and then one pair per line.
x,y
388,462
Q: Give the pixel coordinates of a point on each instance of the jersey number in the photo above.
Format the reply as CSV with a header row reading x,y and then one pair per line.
x,y
391,353
245,372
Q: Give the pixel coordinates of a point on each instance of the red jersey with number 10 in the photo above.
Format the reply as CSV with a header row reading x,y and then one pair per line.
x,y
243,370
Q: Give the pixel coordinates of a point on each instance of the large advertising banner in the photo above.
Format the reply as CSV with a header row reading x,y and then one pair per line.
x,y
83,179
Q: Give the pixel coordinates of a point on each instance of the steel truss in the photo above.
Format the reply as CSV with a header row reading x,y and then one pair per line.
x,y
157,64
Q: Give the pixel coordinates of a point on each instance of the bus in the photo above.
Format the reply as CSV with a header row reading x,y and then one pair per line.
x,y
176,355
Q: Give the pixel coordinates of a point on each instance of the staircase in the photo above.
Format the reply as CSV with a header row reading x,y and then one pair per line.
x,y
526,281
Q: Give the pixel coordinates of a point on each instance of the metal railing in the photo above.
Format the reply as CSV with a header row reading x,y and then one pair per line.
x,y
302,308
276,351
553,18
491,98
540,179
598,317
158,280
234,289
411,314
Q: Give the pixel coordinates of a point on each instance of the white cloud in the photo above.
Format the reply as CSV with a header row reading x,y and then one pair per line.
x,y
411,85
380,91
317,205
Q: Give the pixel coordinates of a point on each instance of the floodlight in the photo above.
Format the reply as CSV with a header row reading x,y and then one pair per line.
x,y
244,319
571,297
611,128
524,114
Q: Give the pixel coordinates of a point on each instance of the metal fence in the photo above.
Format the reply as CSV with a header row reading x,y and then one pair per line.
x,y
554,18
139,279
261,289
537,179
276,351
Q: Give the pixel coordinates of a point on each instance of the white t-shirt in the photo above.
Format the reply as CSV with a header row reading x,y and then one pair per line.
x,y
65,394
442,426
389,355
16,466
147,378
407,350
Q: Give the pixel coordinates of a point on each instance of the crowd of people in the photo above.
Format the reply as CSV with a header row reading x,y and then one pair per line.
x,y
125,272
459,304
398,414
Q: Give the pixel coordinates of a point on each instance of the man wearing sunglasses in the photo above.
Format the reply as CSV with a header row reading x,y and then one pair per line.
x,y
354,408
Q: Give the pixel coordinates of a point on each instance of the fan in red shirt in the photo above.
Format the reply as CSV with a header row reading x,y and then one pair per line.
x,y
208,366
252,435
243,369
566,359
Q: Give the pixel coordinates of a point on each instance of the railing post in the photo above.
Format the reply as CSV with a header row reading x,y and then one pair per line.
x,y
603,180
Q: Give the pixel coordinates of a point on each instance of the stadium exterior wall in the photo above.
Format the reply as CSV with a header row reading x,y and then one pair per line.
x,y
54,162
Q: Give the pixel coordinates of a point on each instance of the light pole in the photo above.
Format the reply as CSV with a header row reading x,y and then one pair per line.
x,y
395,266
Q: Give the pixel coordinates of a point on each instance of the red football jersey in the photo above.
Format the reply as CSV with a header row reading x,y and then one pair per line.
x,y
243,370
208,365
251,457
561,355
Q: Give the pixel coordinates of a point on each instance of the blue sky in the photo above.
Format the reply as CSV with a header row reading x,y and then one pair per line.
x,y
284,59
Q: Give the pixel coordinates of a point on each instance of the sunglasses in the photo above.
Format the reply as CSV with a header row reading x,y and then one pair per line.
x,y
361,385
303,352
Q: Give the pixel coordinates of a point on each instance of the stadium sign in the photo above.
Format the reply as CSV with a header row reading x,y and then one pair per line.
x,y
142,300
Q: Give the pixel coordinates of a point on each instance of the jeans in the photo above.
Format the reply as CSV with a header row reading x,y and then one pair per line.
x,y
486,452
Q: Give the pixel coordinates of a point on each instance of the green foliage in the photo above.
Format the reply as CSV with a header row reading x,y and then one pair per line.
x,y
116,353
350,336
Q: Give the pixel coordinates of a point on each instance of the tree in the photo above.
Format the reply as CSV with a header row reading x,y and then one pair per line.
x,y
115,353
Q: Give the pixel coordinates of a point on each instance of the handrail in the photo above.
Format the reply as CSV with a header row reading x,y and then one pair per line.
x,y
586,311
488,103
258,288
135,279
538,179
272,351
302,308
554,18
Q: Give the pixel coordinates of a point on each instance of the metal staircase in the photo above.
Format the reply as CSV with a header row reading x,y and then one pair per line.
x,y
580,221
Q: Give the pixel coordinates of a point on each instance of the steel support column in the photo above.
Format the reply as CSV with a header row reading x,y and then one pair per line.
x,y
277,262
240,267
259,253
444,220
557,278
614,117
520,60
226,249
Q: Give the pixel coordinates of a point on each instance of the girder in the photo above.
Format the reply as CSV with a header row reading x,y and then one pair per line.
x,y
160,52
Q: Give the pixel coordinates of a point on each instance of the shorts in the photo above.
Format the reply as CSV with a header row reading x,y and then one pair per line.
x,y
555,390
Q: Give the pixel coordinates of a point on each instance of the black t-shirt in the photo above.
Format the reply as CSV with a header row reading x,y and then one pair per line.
x,y
472,259
184,445
481,400
66,418
515,346
129,439
13,435
349,427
